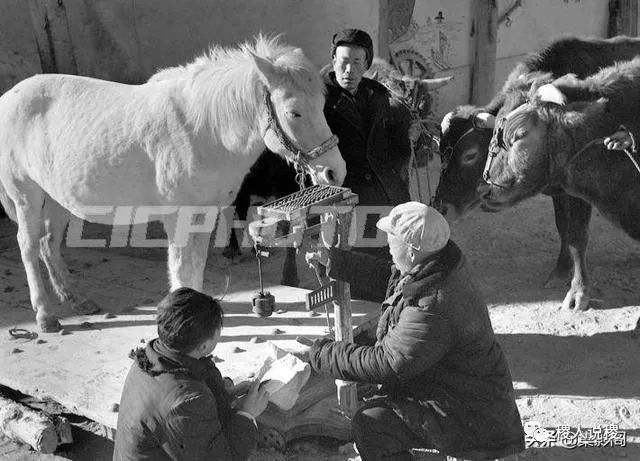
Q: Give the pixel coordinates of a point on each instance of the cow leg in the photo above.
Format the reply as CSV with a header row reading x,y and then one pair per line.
x,y
572,220
187,263
560,275
56,219
29,217
290,268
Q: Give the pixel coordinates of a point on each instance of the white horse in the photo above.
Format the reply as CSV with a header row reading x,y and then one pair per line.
x,y
186,138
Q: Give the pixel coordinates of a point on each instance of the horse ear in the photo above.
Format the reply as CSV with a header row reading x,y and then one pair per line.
x,y
266,71
549,93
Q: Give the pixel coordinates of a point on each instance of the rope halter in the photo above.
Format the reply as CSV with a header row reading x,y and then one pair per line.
x,y
301,160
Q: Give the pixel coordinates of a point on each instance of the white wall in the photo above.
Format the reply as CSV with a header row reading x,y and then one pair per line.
x,y
18,53
127,41
538,22
532,25
445,46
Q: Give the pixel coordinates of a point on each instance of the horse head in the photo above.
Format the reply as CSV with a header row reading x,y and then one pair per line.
x,y
293,124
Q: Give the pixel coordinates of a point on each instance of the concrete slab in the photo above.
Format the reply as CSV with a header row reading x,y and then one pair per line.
x,y
85,369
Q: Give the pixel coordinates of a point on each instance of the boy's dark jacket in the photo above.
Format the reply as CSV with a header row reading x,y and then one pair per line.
x,y
434,343
175,407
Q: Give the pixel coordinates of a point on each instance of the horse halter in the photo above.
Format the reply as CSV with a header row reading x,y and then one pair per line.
x,y
301,160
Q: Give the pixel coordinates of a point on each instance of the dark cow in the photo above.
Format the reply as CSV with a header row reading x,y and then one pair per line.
x,y
467,131
546,143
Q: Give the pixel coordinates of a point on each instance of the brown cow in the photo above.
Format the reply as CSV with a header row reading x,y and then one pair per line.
x,y
467,131
548,143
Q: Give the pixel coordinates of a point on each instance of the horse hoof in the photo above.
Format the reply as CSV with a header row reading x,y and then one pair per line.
x,y
85,307
48,323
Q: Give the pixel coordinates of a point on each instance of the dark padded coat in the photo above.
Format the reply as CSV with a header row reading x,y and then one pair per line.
x,y
174,407
434,342
373,140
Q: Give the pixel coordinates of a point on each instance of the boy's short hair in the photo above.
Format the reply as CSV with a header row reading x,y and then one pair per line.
x,y
187,318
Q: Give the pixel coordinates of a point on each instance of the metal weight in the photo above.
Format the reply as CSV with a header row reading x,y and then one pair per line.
x,y
263,304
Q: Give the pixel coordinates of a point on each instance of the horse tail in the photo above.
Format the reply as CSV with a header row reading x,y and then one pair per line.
x,y
7,203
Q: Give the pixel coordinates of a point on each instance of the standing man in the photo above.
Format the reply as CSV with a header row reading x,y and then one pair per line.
x,y
374,144
445,382
175,404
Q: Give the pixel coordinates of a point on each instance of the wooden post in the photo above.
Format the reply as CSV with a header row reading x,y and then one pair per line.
x,y
623,18
383,29
32,427
51,28
484,30
347,391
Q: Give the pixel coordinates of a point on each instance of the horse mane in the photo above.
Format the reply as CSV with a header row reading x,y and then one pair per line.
x,y
223,87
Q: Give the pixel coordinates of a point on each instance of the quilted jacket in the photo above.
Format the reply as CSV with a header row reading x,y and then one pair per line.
x,y
434,345
175,407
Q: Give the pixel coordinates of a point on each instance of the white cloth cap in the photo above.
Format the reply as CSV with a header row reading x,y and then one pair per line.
x,y
418,225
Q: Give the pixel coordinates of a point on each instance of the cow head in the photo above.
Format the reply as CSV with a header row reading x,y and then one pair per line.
x,y
412,90
519,164
464,142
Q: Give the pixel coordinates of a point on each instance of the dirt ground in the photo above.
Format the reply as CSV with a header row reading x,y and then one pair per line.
x,y
579,369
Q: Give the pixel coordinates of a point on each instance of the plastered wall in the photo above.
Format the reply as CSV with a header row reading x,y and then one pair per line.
x,y
128,40
440,35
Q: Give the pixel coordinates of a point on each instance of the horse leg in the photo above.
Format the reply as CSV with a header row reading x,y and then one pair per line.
x,y
241,207
290,269
30,226
575,215
186,263
56,219
238,208
232,250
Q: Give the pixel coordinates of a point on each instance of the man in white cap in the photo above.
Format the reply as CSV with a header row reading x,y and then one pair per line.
x,y
444,380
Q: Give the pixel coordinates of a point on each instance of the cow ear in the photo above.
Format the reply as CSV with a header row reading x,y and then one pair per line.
x,y
549,93
446,122
266,71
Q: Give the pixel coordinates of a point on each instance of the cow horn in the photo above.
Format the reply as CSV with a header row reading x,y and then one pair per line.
x,y
485,120
435,83
549,93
